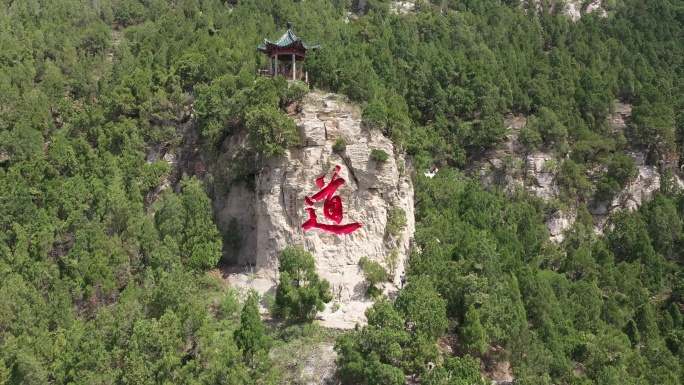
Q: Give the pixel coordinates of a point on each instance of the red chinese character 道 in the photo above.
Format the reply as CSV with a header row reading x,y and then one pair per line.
x,y
332,207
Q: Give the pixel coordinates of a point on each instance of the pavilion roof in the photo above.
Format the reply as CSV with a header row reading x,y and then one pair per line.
x,y
288,40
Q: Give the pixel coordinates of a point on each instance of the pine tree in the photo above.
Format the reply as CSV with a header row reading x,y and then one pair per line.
x,y
676,315
250,336
473,335
202,245
645,319
421,305
632,332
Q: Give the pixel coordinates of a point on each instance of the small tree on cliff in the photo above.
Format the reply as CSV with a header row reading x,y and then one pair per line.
x,y
301,293
374,273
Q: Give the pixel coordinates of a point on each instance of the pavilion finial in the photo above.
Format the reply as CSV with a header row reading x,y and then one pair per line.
x,y
289,25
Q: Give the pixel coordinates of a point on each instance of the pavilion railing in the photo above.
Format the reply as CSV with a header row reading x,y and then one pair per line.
x,y
299,75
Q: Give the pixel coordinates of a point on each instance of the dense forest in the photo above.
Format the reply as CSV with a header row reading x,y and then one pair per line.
x,y
103,271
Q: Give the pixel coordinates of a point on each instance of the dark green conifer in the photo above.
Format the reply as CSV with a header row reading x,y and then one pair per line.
x,y
473,335
250,337
632,332
676,315
301,293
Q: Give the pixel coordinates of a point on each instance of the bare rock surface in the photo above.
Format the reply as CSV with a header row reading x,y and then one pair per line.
x,y
271,214
540,169
574,9
557,223
402,7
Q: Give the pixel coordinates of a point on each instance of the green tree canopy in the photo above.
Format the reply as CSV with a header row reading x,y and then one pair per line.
x,y
421,305
473,335
300,293
250,336
270,132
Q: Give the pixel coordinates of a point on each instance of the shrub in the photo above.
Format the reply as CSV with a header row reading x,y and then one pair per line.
x,y
242,168
374,274
375,116
270,131
268,300
301,292
392,261
573,180
232,238
379,155
530,137
396,221
373,291
294,93
421,305
340,145
229,306
622,169
606,189
401,166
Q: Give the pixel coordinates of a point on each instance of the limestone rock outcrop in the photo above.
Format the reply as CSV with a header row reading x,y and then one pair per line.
x,y
540,168
557,223
512,166
636,193
575,9
270,215
402,7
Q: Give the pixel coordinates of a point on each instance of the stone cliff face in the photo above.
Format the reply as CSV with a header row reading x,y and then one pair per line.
x,y
511,166
271,217
575,9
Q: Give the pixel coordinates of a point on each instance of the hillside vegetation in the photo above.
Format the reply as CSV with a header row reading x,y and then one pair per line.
x,y
103,264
